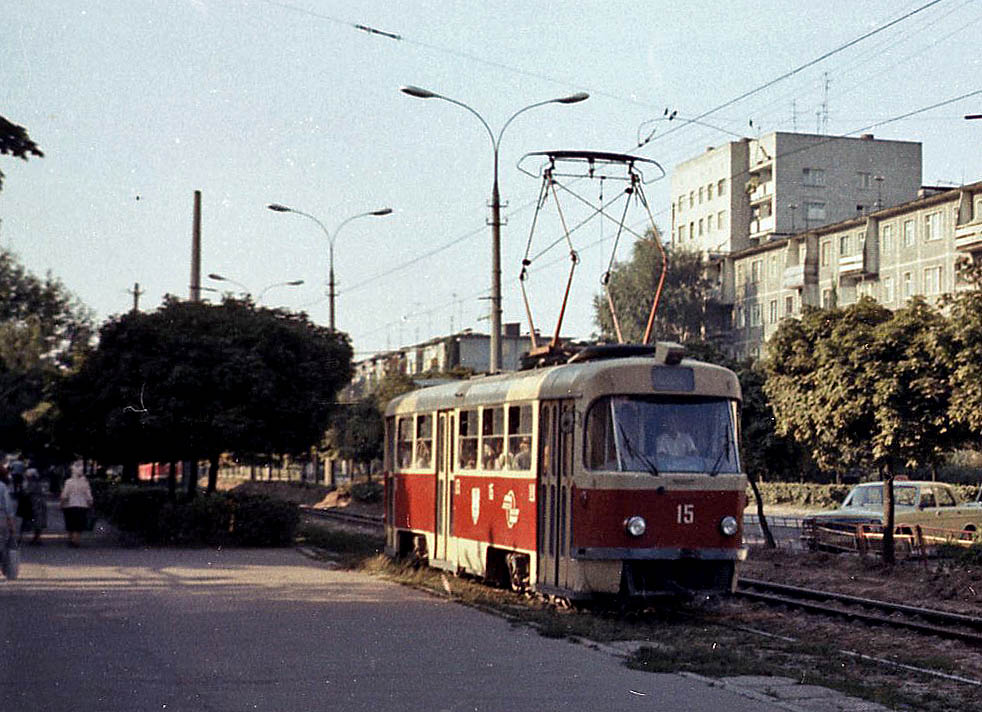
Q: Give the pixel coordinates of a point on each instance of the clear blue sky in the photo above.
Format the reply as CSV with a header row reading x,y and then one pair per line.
x,y
138,104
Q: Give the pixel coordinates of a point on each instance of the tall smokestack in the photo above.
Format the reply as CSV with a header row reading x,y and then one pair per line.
x,y
196,250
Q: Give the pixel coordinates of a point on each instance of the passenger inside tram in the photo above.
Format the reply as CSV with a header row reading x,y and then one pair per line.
x,y
522,459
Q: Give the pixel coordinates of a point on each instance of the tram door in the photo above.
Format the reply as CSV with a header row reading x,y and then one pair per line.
x,y
556,421
443,549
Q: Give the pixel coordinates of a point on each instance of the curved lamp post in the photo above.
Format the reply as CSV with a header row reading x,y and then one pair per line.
x,y
495,358
277,208
220,278
248,292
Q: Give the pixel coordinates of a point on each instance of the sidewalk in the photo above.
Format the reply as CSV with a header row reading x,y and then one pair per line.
x,y
769,692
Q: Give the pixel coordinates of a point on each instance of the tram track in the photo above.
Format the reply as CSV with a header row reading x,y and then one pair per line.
x,y
370,521
927,621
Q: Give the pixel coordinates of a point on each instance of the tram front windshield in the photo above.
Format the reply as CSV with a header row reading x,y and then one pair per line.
x,y
658,434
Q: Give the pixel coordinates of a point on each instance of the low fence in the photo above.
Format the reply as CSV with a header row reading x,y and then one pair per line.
x,y
909,539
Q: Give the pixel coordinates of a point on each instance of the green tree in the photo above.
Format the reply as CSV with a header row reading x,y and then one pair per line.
x,y
686,309
912,355
43,332
820,383
14,141
192,380
964,358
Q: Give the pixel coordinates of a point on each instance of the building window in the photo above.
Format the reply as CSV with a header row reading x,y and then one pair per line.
x,y
709,223
844,245
908,285
813,176
755,315
692,198
908,233
681,204
827,300
886,235
720,186
814,210
701,194
739,275
681,232
789,305
700,227
774,267
773,311
721,219
755,268
887,295
932,280
692,231
741,318
932,226
864,180
709,192
826,253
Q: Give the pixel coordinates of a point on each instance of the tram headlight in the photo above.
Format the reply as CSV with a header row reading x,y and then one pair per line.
x,y
728,525
636,526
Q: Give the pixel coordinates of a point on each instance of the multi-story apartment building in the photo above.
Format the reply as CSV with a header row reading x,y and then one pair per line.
x,y
890,255
745,192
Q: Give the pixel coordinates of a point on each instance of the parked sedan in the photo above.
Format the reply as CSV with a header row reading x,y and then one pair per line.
x,y
932,505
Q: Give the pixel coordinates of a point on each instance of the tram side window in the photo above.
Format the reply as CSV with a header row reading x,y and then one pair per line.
x,y
601,451
467,440
404,442
493,439
424,442
520,437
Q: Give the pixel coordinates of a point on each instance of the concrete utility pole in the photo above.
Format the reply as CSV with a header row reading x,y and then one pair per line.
x,y
196,250
136,292
494,364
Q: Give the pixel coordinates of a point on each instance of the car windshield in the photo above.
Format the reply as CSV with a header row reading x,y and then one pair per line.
x,y
871,497
658,434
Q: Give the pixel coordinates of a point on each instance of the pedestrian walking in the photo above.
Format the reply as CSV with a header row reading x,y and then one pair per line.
x,y
37,506
6,519
76,499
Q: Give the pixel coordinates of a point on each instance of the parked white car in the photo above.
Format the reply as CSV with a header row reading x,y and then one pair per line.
x,y
934,505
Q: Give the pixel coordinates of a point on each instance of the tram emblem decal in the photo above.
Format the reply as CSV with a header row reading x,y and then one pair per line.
x,y
510,505
475,504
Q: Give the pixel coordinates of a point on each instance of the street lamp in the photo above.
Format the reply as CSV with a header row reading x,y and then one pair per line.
x,y
277,208
291,283
219,278
495,358
247,291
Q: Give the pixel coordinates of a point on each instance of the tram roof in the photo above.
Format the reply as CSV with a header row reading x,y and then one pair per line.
x,y
571,380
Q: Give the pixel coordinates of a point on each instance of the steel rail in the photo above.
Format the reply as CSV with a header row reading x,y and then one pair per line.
x,y
942,622
368,520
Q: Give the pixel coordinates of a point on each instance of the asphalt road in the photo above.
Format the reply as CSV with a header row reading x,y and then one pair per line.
x,y
124,629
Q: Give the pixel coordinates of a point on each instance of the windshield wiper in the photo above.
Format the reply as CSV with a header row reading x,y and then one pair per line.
x,y
652,470
725,451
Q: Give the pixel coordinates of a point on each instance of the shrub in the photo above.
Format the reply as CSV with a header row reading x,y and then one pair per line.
x,y
261,521
367,491
215,520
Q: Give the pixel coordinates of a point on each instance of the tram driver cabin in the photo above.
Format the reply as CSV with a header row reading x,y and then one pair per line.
x,y
615,472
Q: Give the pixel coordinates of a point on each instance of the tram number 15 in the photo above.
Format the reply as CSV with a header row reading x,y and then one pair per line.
x,y
685,513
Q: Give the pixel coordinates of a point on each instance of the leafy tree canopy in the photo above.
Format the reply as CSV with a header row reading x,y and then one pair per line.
x,y
192,380
43,331
14,141
685,307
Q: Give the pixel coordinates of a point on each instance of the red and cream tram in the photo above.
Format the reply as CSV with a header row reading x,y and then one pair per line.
x,y
616,472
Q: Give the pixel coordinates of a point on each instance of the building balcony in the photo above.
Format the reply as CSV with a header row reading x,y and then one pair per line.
x,y
799,276
968,237
854,266
764,191
762,226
